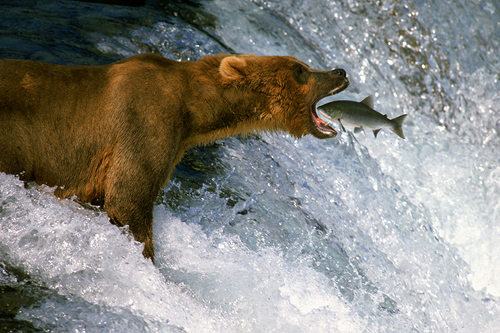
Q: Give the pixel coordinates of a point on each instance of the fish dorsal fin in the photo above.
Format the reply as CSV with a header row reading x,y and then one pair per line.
x,y
368,101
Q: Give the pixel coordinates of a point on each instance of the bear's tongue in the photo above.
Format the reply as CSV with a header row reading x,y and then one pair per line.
x,y
321,125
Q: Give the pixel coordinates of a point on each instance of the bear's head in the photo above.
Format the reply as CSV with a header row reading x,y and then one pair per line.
x,y
285,91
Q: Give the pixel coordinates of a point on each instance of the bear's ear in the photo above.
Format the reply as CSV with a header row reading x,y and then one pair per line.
x,y
232,67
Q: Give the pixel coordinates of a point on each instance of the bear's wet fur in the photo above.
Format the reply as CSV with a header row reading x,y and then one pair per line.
x,y
111,135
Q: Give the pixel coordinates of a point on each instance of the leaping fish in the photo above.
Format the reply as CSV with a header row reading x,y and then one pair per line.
x,y
361,115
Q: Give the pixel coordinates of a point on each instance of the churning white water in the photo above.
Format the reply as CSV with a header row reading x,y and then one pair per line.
x,y
268,233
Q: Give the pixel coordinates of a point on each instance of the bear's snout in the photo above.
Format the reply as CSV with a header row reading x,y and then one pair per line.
x,y
339,72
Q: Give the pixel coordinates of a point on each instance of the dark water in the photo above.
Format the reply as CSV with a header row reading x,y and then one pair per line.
x,y
267,233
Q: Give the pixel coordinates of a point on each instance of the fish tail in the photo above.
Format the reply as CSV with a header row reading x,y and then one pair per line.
x,y
398,123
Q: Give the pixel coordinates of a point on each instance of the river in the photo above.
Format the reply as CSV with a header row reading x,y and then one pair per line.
x,y
267,233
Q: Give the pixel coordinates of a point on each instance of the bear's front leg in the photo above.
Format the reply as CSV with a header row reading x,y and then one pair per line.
x,y
129,200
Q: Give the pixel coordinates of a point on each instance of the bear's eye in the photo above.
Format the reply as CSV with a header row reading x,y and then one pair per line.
x,y
300,74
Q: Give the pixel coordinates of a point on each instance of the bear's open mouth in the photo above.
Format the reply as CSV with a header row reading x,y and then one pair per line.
x,y
323,127
320,124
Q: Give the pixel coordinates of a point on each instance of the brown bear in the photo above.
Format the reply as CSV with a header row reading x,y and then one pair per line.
x,y
111,135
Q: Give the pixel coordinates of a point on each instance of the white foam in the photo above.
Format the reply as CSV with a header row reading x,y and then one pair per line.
x,y
458,183
218,283
260,291
80,253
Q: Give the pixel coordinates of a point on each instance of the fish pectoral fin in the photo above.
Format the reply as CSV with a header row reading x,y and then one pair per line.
x,y
375,132
343,128
358,129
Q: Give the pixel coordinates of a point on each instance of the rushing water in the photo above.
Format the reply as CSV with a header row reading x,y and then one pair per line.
x,y
267,233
